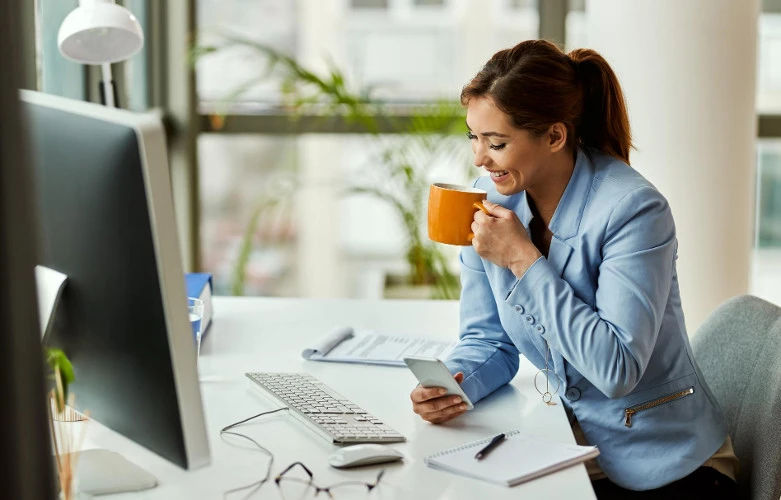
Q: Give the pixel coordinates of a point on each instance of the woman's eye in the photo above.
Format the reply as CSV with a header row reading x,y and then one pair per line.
x,y
497,147
471,136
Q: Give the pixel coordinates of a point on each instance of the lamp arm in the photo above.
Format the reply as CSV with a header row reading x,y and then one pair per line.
x,y
108,90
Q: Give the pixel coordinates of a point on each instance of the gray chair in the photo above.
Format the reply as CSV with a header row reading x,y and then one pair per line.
x,y
738,350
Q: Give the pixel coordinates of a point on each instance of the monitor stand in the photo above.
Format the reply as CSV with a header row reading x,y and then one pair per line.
x,y
102,472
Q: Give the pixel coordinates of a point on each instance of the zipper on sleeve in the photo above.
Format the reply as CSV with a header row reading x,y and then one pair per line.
x,y
629,412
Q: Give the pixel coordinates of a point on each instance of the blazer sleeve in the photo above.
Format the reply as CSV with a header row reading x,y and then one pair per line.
x,y
611,344
485,354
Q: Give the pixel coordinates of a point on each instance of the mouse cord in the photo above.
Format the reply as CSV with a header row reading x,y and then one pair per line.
x,y
227,431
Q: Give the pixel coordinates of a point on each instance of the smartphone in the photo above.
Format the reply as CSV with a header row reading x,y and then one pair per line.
x,y
432,372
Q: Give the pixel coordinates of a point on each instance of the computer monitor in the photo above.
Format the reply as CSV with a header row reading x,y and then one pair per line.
x,y
106,219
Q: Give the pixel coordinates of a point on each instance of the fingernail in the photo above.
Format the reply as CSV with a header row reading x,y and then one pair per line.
x,y
442,391
456,400
462,407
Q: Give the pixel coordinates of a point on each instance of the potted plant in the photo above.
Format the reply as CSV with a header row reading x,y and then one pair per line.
x,y
398,173
66,442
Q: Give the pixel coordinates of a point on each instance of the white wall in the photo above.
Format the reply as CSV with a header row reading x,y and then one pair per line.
x,y
688,69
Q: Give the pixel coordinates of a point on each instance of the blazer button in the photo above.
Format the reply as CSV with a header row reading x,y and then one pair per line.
x,y
572,394
540,329
519,308
529,319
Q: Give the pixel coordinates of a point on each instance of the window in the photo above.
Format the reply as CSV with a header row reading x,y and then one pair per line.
x,y
407,51
768,62
56,75
268,22
769,194
238,173
575,25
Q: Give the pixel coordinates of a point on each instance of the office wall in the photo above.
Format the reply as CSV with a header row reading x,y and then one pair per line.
x,y
689,70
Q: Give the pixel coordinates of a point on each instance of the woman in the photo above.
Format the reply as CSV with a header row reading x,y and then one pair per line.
x,y
574,267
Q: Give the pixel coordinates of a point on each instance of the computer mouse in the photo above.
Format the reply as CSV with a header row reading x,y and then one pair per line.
x,y
363,454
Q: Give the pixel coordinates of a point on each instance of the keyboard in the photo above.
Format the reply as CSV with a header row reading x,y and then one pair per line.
x,y
333,416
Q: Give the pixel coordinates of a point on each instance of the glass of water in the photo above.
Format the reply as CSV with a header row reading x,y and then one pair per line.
x,y
195,310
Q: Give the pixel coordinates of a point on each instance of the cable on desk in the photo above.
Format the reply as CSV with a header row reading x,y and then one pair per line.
x,y
257,484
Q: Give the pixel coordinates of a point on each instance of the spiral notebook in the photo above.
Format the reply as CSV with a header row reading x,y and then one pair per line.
x,y
520,458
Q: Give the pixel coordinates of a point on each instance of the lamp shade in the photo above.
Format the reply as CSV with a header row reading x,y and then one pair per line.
x,y
99,31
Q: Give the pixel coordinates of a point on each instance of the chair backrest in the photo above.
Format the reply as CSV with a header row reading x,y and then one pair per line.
x,y
738,350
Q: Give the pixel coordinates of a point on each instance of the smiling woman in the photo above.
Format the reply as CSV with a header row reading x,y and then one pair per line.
x,y
574,266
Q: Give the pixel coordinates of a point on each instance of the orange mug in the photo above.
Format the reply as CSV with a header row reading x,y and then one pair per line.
x,y
451,210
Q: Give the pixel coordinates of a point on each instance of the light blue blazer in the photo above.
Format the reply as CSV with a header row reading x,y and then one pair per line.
x,y
606,301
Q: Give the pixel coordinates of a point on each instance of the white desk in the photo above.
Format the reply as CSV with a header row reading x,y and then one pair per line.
x,y
260,334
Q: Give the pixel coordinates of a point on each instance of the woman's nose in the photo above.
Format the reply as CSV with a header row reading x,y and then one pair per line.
x,y
481,158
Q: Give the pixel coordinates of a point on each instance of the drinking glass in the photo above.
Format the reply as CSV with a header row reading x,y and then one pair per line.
x,y
195,310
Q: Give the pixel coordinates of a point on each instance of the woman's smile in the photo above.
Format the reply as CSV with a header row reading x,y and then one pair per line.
x,y
499,176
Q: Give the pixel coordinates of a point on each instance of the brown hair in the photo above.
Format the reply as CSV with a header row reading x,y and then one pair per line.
x,y
538,85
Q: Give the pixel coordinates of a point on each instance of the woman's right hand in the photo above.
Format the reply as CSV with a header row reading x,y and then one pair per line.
x,y
433,406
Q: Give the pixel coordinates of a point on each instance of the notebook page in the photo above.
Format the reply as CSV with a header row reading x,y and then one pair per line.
x,y
518,459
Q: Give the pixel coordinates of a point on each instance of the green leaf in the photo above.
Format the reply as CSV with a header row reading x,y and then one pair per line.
x,y
245,251
56,358
58,361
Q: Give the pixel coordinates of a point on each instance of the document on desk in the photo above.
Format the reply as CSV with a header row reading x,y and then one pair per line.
x,y
517,459
347,345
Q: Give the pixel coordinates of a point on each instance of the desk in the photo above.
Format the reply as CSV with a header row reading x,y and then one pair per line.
x,y
265,334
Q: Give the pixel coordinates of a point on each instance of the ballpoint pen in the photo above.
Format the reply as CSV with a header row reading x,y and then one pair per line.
x,y
490,446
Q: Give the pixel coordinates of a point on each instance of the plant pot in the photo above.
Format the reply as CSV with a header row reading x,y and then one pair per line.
x,y
398,287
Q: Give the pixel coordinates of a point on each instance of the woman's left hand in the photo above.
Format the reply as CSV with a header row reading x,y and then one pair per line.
x,y
501,238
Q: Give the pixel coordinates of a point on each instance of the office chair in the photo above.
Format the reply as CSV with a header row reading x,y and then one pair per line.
x,y
738,349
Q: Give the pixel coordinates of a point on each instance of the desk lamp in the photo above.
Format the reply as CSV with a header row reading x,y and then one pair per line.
x,y
100,32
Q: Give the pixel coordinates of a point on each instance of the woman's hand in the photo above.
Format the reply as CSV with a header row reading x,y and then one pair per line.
x,y
433,406
501,238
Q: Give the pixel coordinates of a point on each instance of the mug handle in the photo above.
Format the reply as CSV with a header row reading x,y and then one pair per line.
x,y
479,206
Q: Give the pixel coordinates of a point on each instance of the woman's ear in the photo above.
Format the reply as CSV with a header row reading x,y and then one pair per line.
x,y
556,137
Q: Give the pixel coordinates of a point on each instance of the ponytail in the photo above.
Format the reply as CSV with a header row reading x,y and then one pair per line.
x,y
604,123
537,85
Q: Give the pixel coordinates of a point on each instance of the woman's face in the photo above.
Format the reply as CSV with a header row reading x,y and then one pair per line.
x,y
513,157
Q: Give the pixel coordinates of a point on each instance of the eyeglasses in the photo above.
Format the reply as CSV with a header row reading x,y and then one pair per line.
x,y
291,486
547,395
295,486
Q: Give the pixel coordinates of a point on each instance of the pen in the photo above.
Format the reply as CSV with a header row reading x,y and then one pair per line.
x,y
490,446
